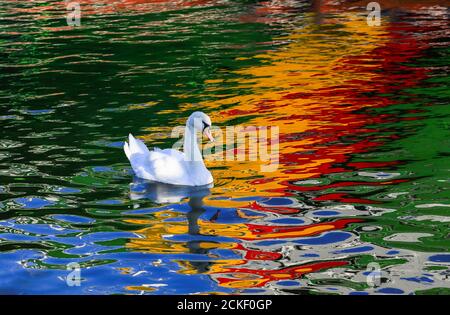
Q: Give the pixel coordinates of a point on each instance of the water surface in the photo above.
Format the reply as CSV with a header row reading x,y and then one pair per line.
x,y
364,126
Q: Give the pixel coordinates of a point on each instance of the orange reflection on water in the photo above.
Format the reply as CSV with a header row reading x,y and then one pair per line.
x,y
289,89
155,241
240,278
313,89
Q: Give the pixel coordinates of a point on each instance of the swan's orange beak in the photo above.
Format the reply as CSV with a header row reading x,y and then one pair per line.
x,y
207,132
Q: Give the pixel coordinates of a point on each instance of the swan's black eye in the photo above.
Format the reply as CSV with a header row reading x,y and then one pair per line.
x,y
205,125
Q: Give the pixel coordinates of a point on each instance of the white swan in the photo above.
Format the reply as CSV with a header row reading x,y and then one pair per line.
x,y
171,166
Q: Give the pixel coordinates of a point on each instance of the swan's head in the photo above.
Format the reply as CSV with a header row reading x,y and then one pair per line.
x,y
199,121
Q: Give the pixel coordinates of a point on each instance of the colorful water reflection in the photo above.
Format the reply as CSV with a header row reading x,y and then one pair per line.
x,y
361,176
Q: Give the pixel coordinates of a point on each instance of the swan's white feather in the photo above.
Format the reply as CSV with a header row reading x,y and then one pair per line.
x,y
165,166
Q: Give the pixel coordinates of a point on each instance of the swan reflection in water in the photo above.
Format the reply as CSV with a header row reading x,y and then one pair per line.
x,y
165,193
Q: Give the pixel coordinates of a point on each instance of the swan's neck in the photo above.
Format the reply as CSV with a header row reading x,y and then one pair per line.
x,y
190,146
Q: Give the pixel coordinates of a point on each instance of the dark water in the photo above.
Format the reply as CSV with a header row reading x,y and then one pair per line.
x,y
364,152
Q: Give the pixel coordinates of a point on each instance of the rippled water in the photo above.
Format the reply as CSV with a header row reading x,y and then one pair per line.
x,y
364,126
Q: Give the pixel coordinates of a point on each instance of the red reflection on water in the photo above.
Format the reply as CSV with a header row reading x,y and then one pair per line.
x,y
344,128
333,6
261,232
265,276
251,254
280,210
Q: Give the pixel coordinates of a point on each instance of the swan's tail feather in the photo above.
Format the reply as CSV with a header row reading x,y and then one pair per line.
x,y
126,148
136,151
137,146
134,146
138,155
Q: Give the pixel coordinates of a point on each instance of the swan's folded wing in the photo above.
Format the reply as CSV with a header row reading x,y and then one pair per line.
x,y
167,166
172,152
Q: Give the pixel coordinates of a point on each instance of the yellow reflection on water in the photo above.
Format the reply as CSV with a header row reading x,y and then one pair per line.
x,y
284,89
